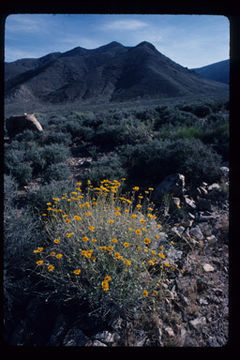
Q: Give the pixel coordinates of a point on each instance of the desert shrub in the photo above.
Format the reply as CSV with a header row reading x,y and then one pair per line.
x,y
195,160
58,138
153,161
102,249
22,173
56,172
10,188
185,132
174,117
218,138
200,110
55,153
37,160
107,167
12,158
29,135
77,130
37,199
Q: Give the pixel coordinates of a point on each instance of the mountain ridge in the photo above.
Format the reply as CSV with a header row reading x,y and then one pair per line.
x,y
218,71
112,72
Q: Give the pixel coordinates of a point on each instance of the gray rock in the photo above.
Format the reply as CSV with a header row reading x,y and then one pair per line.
x,y
169,331
176,201
174,255
202,301
196,232
75,337
198,322
190,202
97,343
208,267
174,184
211,239
224,171
105,337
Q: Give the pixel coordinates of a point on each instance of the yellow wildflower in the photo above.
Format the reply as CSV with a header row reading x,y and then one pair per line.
x,y
56,241
147,240
85,238
52,253
162,255
51,268
166,264
142,221
110,221
136,188
126,244
117,213
145,293
150,262
56,199
151,188
143,229
94,240
134,216
138,232
103,247
88,213
114,240
138,206
68,220
127,262
108,278
130,229
39,262
110,248
77,271
68,235
44,214
59,256
78,218
91,228
105,285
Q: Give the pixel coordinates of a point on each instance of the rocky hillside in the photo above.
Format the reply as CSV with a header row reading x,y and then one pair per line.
x,y
109,73
218,71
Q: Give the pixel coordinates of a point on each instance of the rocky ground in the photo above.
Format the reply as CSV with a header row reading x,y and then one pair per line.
x,y
192,309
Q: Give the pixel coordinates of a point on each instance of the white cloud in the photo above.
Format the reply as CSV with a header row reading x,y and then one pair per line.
x,y
127,24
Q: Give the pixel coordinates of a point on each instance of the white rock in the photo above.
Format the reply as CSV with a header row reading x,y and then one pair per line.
x,y
105,337
208,268
169,331
198,321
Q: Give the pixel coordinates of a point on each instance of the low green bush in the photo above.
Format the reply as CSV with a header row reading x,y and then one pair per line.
x,y
151,162
55,153
108,167
56,172
22,173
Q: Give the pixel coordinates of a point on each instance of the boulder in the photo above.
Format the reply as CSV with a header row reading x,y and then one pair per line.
x,y
17,124
75,337
174,184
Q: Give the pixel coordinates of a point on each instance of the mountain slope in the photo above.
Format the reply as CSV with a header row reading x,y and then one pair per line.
x,y
218,71
111,73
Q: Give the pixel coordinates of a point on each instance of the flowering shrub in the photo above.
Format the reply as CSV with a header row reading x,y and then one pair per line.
x,y
103,246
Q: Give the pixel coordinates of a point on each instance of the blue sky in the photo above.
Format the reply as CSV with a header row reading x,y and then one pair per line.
x,y
189,40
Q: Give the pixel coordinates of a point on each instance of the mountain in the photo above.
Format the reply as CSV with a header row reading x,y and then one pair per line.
x,y
112,72
218,71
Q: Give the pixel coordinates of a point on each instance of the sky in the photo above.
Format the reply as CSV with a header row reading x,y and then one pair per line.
x,y
190,40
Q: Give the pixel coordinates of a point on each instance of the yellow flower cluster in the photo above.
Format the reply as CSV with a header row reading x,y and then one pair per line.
x,y
121,242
